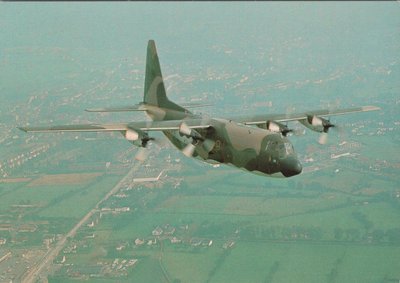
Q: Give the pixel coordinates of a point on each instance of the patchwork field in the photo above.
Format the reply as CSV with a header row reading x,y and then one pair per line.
x,y
64,179
251,234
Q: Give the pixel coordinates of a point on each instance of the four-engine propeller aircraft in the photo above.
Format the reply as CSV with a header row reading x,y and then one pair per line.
x,y
257,144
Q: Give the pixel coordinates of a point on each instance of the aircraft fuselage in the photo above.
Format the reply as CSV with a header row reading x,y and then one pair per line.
x,y
249,148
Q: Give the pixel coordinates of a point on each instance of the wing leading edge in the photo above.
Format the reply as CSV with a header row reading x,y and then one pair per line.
x,y
142,125
262,119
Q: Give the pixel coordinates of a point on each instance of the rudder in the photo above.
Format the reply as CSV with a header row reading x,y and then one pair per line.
x,y
154,89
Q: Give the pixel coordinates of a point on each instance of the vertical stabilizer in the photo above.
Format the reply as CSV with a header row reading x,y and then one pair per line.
x,y
154,89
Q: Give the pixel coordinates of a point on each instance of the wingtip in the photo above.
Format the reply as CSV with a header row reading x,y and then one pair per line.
x,y
370,108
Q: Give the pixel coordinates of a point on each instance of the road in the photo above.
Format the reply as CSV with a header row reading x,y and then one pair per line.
x,y
34,273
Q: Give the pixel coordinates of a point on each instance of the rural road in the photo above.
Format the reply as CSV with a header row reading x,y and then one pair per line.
x,y
34,273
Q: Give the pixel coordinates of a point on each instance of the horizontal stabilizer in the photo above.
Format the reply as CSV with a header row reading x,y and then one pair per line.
x,y
140,107
194,105
136,107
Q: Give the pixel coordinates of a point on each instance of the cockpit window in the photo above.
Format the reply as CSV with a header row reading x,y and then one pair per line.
x,y
268,145
285,149
282,150
289,148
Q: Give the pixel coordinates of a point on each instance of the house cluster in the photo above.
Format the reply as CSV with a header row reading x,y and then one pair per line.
x,y
115,210
168,232
18,160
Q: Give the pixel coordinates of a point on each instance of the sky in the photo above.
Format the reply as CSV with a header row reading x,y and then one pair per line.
x,y
287,42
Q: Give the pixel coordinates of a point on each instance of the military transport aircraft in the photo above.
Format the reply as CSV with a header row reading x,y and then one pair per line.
x,y
257,144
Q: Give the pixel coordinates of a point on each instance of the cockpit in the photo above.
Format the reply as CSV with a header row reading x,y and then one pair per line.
x,y
282,148
285,149
280,153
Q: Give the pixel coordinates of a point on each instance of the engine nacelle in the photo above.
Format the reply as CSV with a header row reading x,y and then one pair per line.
x,y
137,137
317,124
276,127
186,131
131,135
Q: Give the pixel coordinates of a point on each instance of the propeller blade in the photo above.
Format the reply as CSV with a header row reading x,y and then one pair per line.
x,y
160,142
147,147
189,150
142,154
299,132
208,145
323,138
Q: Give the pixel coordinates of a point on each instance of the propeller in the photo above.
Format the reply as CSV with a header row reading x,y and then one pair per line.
x,y
202,148
145,140
298,131
144,152
189,150
199,144
323,138
319,124
147,147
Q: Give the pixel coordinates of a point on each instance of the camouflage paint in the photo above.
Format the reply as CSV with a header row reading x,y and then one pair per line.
x,y
260,150
235,144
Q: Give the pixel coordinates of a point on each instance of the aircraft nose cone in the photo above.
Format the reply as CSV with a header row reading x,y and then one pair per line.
x,y
290,167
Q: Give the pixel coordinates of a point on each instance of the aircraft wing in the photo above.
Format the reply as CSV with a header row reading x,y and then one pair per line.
x,y
141,125
76,128
262,119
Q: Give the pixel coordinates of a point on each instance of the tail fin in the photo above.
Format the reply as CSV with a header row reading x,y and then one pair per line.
x,y
154,90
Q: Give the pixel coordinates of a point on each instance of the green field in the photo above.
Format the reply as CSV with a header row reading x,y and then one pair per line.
x,y
280,234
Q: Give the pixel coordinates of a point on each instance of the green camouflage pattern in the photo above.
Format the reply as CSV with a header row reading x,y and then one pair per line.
x,y
245,147
256,143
